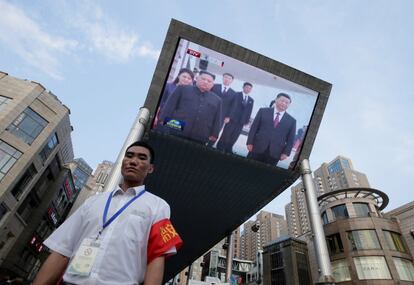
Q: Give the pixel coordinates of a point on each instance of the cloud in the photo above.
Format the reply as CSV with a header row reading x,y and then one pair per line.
x,y
27,39
107,37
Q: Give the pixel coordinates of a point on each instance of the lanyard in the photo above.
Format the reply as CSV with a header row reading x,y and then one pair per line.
x,y
105,222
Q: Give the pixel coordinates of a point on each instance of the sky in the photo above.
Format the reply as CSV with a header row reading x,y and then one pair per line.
x,y
98,57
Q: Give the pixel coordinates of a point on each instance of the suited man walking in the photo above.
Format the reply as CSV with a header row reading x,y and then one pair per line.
x,y
272,133
226,93
239,115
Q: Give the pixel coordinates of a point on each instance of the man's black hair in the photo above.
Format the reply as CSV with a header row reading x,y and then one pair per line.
x,y
144,145
284,95
247,83
208,73
229,74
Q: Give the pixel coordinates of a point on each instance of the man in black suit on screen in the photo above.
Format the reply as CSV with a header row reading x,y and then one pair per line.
x,y
193,112
272,133
239,115
226,93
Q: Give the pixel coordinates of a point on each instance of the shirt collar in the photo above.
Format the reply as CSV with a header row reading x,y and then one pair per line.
x,y
276,111
133,190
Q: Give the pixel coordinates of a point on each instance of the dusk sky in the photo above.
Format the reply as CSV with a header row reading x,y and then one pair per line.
x,y
98,58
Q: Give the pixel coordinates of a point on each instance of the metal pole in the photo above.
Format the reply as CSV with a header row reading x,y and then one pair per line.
x,y
135,134
229,257
321,249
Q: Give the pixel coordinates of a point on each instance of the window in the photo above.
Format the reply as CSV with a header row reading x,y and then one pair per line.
x,y
394,241
371,267
334,243
47,149
303,271
361,209
18,190
278,277
325,218
8,157
27,126
340,270
405,269
3,102
276,260
340,211
3,210
335,167
27,207
364,239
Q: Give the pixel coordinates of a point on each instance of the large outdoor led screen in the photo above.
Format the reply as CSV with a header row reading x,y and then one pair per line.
x,y
218,101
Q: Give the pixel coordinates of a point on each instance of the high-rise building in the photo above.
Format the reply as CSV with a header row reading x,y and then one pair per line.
x,y
297,212
221,248
338,174
256,234
81,171
335,175
95,184
35,187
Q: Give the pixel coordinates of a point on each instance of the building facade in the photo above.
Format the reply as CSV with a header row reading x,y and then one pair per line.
x,y
35,187
405,218
364,246
286,262
267,227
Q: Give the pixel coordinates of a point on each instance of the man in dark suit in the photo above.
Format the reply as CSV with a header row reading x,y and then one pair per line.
x,y
239,115
193,112
272,133
226,93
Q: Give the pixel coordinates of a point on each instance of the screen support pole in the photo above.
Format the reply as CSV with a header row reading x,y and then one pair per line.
x,y
136,133
321,250
229,257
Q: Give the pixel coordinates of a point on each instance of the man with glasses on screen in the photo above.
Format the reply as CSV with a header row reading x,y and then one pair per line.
x,y
272,133
194,112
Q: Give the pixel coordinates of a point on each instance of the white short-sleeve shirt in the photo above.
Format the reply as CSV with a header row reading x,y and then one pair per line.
x,y
122,258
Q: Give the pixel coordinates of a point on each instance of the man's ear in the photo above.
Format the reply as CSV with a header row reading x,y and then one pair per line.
x,y
151,169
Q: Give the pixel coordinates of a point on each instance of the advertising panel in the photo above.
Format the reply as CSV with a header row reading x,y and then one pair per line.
x,y
223,103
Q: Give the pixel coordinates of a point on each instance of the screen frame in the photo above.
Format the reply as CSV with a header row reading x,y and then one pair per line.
x,y
178,30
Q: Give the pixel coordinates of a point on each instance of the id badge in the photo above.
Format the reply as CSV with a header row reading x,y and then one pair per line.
x,y
84,259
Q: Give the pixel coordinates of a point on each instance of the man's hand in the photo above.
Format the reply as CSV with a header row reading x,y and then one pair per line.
x,y
155,271
250,147
51,270
211,138
283,156
226,120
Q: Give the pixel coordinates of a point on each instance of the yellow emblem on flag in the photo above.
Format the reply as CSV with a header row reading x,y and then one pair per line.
x,y
167,233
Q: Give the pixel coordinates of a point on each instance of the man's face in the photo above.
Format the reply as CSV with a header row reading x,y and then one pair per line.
x,y
282,103
136,165
247,89
227,80
205,82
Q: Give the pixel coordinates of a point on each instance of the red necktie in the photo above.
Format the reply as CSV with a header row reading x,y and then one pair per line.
x,y
276,120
